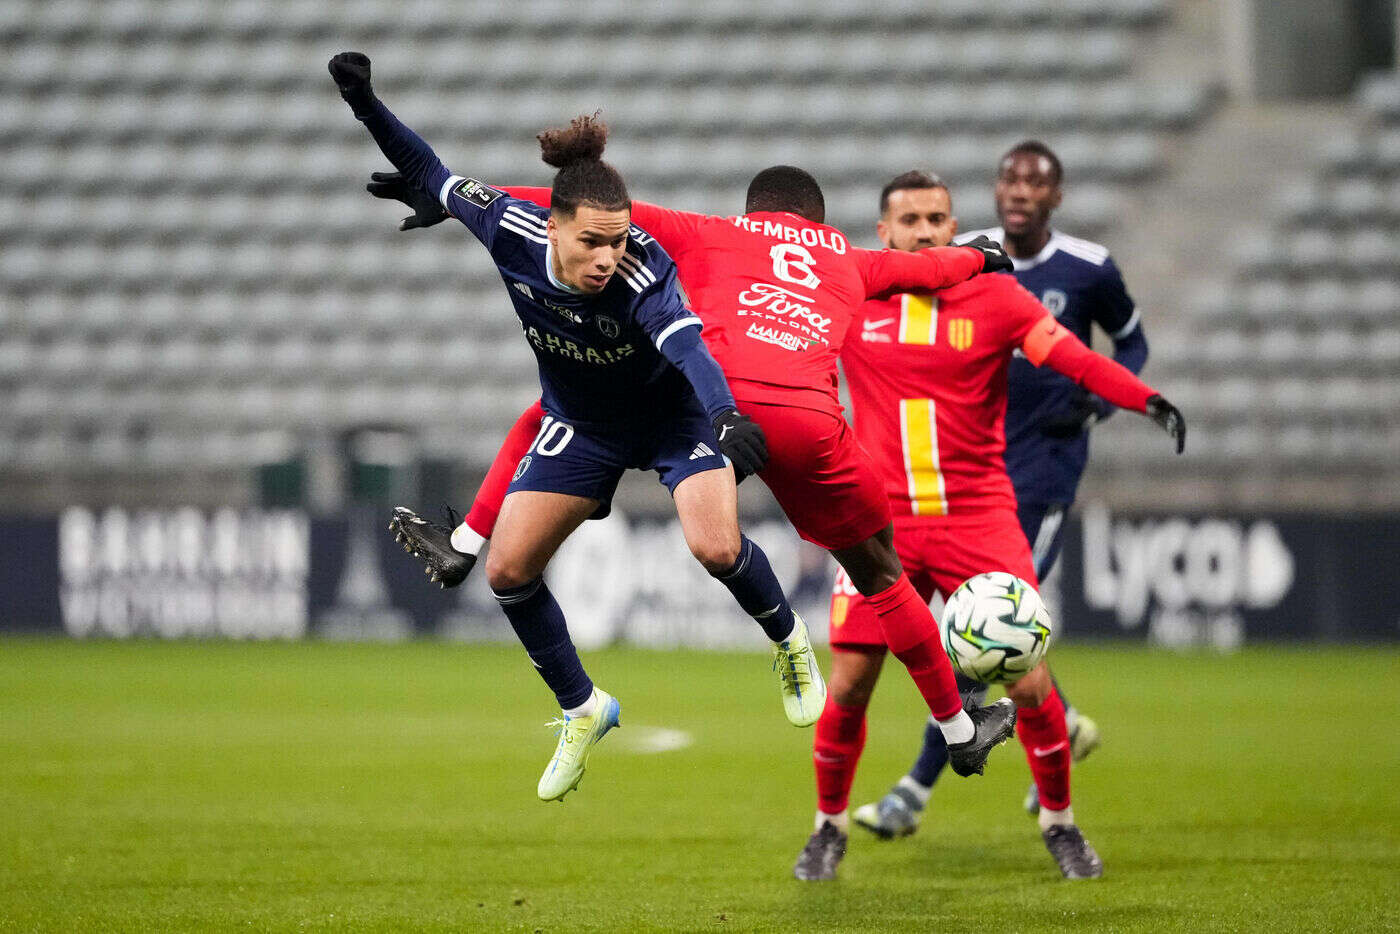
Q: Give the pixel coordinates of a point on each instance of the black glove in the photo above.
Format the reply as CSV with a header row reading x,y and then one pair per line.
x,y
1170,418
742,441
391,186
1082,412
351,73
994,258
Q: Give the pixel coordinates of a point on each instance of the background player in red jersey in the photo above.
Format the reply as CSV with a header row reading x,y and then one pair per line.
x,y
1047,416
777,289
927,377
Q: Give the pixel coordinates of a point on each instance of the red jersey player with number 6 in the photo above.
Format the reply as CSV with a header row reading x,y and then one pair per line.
x,y
927,375
776,290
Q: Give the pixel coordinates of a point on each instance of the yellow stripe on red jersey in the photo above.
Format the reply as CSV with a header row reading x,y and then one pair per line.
x,y
927,379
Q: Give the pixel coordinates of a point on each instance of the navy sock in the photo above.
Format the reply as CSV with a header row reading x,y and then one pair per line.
x,y
934,755
538,621
756,588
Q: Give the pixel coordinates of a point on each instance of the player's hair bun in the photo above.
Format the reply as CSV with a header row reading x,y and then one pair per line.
x,y
583,176
582,141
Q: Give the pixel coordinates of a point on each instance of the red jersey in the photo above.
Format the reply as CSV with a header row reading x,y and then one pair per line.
x,y
777,293
927,375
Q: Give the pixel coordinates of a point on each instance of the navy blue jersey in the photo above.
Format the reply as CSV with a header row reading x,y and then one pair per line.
x,y
598,354
628,354
1079,284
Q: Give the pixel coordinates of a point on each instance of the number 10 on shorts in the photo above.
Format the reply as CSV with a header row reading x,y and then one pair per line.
x,y
552,438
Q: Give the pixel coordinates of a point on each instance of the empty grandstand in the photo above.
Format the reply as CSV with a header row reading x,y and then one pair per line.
x,y
196,284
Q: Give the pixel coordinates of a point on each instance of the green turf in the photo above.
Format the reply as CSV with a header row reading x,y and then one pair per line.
x,y
324,786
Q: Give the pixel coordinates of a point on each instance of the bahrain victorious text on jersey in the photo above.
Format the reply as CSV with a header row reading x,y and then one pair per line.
x,y
597,353
777,292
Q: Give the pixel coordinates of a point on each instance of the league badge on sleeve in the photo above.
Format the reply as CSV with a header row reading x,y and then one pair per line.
x,y
477,193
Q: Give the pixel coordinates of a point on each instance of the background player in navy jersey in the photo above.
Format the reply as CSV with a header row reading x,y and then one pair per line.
x,y
1047,416
626,383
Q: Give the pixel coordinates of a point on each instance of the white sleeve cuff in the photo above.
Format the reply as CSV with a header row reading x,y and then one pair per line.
x,y
675,326
1127,329
446,187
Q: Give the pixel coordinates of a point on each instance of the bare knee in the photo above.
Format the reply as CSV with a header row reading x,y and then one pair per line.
x,y
716,553
853,677
1033,689
872,565
504,573
851,695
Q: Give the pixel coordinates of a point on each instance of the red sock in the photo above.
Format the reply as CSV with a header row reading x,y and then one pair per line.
x,y
836,750
1042,732
912,636
486,508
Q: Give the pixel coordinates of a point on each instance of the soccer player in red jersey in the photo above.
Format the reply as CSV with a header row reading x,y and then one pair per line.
x,y
776,290
927,377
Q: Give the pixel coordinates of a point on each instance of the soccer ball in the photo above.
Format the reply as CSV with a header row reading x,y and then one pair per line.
x,y
995,629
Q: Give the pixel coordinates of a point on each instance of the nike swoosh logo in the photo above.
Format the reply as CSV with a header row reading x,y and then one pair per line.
x,y
876,325
1051,750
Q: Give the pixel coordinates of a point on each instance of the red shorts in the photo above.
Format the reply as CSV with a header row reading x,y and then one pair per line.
x,y
820,475
938,555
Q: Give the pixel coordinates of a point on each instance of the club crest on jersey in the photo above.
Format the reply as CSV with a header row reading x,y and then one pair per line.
x,y
520,468
1055,301
477,193
960,333
608,326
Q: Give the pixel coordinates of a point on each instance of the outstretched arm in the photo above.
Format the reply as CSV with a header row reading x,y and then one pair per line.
x,y
414,158
890,272
1052,344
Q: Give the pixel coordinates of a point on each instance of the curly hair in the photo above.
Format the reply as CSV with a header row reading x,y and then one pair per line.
x,y
583,177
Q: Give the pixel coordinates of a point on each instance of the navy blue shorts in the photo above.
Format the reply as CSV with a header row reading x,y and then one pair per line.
x,y
589,461
1044,525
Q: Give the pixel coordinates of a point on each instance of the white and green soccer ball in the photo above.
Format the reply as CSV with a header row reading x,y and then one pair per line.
x,y
995,629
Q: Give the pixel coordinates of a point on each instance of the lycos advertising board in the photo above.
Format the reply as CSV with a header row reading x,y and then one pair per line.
x,y
1174,580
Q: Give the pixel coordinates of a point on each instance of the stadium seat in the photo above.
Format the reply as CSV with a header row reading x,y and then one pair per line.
x,y
189,244
1380,96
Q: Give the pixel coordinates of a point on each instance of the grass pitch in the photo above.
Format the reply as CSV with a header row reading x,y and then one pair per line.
x,y
188,786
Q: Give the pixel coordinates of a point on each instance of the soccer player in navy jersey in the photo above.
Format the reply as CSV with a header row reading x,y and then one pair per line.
x,y
778,345
626,383
1047,417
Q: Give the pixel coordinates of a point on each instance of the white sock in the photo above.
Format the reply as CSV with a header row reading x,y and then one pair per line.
x,y
585,709
921,792
841,822
959,729
1049,818
467,540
